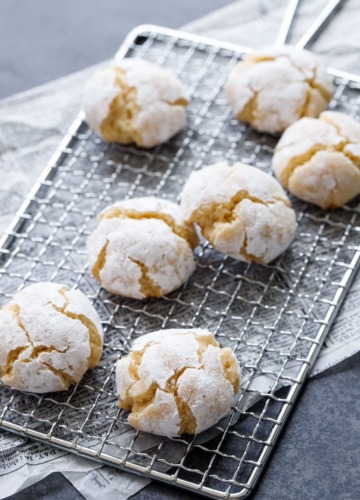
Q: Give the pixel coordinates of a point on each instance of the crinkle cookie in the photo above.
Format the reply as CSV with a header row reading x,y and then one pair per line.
x,y
142,248
49,337
177,381
275,86
241,210
318,160
134,100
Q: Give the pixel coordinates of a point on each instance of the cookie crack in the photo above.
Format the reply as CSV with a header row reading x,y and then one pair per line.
x,y
181,101
210,214
326,94
304,110
203,345
301,160
100,262
355,159
65,378
258,58
14,355
183,232
120,123
135,362
325,118
310,81
248,257
15,309
313,85
37,350
95,339
346,142
229,368
249,111
187,421
139,402
147,285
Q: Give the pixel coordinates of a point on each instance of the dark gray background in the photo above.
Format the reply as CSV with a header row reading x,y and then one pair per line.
x,y
41,40
318,455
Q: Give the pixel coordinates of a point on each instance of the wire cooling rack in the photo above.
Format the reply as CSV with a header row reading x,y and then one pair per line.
x,y
275,317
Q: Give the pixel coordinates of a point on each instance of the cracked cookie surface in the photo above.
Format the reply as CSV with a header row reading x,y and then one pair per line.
x,y
49,337
241,210
318,160
136,101
275,86
177,381
142,247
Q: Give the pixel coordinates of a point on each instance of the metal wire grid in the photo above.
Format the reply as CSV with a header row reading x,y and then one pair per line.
x,y
280,311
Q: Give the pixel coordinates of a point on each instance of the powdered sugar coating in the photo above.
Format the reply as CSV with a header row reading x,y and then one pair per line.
x,y
241,210
49,337
177,381
142,247
152,82
275,86
148,204
99,93
318,160
159,103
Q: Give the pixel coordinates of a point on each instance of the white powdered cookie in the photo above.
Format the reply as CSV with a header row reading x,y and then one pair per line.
x,y
275,86
134,100
318,160
49,337
177,381
142,248
241,210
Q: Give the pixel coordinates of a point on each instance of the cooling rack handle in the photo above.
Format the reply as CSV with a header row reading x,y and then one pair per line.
x,y
287,22
320,22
